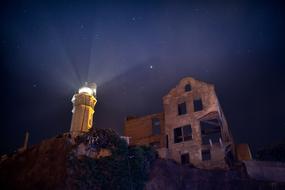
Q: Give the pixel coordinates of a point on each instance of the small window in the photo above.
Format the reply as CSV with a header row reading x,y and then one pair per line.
x,y
178,135
187,133
182,108
155,126
155,122
206,155
185,158
198,105
188,88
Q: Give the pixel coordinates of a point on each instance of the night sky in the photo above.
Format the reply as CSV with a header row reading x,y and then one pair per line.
x,y
136,52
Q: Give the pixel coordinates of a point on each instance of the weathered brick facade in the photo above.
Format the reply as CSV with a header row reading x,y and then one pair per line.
x,y
141,132
193,128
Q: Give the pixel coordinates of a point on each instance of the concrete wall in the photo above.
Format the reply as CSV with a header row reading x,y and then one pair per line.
x,y
268,171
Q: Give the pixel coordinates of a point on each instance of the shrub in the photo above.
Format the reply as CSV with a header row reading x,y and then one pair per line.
x,y
275,152
127,168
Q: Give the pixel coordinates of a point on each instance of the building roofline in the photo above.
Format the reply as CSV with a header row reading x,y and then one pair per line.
x,y
187,78
131,117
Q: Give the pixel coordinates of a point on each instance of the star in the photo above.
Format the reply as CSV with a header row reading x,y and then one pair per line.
x,y
35,85
151,67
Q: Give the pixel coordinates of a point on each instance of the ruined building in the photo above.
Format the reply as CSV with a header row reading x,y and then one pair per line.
x,y
191,129
83,109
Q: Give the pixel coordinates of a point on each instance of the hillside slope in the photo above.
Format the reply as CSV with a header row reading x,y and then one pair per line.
x,y
171,176
64,163
40,167
100,159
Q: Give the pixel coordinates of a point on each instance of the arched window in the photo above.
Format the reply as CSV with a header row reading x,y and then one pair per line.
x,y
188,87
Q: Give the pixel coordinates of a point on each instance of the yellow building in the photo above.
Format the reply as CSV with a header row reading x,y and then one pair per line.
x,y
83,109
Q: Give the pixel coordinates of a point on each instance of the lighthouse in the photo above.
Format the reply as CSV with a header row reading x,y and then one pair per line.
x,y
84,102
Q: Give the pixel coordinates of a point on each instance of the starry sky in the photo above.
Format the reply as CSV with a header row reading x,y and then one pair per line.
x,y
136,51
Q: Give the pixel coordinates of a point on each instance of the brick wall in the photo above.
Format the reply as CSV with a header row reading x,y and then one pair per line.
x,y
140,129
141,132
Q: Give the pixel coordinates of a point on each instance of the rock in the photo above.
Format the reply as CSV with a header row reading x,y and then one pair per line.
x,y
168,175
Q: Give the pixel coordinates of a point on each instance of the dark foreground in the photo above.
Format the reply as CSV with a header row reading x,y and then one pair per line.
x,y
50,165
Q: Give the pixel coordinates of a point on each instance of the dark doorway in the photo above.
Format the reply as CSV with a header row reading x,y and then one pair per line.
x,y
185,158
166,141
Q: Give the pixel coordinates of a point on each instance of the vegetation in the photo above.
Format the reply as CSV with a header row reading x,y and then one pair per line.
x,y
127,168
275,152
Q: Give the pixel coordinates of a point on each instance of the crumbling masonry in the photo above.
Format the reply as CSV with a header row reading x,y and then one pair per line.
x,y
192,129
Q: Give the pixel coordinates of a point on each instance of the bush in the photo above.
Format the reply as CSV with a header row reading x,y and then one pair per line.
x,y
275,152
127,168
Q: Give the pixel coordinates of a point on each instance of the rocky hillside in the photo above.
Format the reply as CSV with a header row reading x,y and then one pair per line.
x,y
41,167
171,176
101,160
